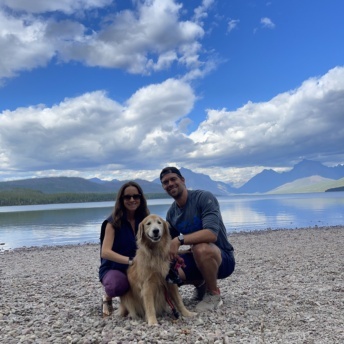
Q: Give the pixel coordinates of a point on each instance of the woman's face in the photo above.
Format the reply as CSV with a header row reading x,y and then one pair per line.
x,y
131,198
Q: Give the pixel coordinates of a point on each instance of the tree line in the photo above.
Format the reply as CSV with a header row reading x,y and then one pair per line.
x,y
32,197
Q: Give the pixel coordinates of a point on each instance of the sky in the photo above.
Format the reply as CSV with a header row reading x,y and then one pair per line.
x,y
121,89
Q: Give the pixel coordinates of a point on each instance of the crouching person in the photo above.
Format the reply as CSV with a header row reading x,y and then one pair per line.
x,y
195,219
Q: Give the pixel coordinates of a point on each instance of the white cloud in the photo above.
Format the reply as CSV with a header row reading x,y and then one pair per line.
x,y
95,134
200,12
93,130
22,43
150,37
267,23
42,6
232,24
291,125
131,40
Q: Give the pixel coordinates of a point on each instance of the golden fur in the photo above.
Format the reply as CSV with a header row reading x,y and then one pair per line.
x,y
146,297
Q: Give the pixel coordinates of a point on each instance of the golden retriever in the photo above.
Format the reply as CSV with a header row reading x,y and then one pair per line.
x,y
146,297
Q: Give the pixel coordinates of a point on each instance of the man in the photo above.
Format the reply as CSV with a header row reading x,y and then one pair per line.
x,y
195,219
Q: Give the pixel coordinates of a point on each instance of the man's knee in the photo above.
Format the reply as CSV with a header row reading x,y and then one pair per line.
x,y
206,252
200,249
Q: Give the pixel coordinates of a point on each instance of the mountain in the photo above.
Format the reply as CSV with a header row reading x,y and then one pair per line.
x,y
307,168
307,185
202,181
268,180
263,182
149,187
114,185
338,185
340,188
51,185
304,177
98,181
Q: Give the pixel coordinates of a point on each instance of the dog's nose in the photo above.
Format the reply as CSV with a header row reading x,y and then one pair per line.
x,y
156,232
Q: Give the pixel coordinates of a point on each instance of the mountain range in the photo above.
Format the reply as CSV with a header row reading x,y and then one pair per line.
x,y
306,176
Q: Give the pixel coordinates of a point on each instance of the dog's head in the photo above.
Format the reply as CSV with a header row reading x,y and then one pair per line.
x,y
153,228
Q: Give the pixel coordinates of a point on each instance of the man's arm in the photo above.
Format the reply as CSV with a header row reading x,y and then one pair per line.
x,y
201,236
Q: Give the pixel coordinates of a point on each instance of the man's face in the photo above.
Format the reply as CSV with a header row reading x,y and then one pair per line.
x,y
173,184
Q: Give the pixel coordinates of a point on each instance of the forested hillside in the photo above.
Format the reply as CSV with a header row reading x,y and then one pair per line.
x,y
31,197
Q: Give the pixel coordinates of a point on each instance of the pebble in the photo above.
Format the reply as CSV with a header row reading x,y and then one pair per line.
x,y
276,295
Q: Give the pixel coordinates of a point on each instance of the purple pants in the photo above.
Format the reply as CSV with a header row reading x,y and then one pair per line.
x,y
115,283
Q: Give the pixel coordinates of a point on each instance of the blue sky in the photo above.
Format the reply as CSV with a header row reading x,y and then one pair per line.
x,y
120,89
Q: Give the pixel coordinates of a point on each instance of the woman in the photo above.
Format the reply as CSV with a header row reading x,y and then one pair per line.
x,y
118,242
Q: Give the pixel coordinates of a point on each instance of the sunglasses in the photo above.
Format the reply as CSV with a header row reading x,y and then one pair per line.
x,y
128,197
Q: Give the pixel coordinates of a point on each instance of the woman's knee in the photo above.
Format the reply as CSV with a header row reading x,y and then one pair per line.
x,y
115,283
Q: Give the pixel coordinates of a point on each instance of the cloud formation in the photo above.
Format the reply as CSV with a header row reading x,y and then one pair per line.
x,y
232,24
147,38
93,131
43,6
303,122
267,23
168,47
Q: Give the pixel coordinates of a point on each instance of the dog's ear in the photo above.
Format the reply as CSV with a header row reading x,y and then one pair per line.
x,y
166,234
166,226
140,232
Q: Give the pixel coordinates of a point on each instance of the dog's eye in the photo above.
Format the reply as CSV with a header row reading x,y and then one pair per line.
x,y
148,223
159,222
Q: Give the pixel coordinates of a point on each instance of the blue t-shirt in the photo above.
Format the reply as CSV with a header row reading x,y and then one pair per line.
x,y
201,211
124,244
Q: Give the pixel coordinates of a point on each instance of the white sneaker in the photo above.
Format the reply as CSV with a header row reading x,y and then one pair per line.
x,y
210,302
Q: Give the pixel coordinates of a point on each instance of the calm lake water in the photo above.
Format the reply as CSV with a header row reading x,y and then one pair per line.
x,y
62,224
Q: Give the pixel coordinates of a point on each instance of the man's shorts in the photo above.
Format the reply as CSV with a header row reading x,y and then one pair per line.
x,y
193,274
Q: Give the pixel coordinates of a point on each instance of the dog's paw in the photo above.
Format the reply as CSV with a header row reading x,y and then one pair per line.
x,y
189,314
122,311
152,321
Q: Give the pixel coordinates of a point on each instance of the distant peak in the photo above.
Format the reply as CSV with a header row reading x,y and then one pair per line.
x,y
308,162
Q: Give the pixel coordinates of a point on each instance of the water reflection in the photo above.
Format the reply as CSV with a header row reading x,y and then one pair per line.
x,y
283,211
37,226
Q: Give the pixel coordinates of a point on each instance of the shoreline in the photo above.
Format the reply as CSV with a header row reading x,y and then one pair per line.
x,y
230,235
288,287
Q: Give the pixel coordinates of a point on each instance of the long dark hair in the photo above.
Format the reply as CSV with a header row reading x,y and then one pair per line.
x,y
119,209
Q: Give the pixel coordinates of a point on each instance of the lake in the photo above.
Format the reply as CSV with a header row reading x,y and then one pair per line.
x,y
62,224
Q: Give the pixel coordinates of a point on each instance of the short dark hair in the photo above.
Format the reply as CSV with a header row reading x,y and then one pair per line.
x,y
170,169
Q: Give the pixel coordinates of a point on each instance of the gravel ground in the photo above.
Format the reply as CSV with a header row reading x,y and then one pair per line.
x,y
288,287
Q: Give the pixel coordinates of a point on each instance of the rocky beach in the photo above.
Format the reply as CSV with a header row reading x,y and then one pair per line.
x,y
288,287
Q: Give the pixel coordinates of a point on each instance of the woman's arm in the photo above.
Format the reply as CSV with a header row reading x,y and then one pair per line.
x,y
108,241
